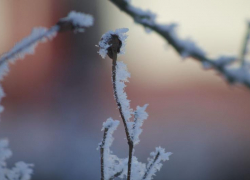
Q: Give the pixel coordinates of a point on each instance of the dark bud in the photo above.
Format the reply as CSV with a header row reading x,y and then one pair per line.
x,y
115,45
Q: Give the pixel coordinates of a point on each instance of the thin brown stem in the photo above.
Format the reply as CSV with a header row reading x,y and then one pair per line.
x,y
116,175
102,153
151,165
130,142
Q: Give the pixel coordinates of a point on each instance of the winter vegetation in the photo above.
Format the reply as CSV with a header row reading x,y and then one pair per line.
x,y
75,21
111,44
235,70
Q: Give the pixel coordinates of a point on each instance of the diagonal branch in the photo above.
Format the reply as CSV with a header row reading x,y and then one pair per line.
x,y
75,21
151,165
185,48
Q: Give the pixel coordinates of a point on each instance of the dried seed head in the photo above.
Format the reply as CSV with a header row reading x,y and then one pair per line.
x,y
115,45
113,42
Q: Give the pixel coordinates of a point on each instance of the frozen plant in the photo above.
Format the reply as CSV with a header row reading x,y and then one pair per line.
x,y
111,166
75,21
188,48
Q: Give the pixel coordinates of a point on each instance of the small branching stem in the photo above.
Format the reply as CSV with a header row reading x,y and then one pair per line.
x,y
151,165
130,142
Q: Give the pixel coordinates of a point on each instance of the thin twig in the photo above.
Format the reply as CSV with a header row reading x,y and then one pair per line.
x,y
5,58
151,165
144,20
245,45
102,153
116,175
73,22
130,142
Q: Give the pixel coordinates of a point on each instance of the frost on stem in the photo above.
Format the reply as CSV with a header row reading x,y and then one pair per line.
x,y
21,170
74,21
106,42
155,162
187,47
110,45
140,115
111,165
122,76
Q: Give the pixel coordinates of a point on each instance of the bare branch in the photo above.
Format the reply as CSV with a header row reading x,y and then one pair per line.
x,y
185,48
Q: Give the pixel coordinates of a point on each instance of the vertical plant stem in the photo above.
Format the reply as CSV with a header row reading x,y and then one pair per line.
x,y
130,142
102,153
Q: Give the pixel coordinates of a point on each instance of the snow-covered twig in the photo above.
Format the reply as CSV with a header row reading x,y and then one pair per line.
x,y
74,21
154,163
111,44
111,165
185,48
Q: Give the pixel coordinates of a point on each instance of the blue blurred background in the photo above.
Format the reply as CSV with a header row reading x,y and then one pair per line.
x,y
58,98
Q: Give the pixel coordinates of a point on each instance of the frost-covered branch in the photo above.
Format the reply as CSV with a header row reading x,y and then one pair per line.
x,y
111,165
74,21
154,163
186,47
111,44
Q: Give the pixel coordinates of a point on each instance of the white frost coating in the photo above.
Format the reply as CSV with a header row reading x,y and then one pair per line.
x,y
239,74
188,46
21,49
103,44
5,152
80,20
122,76
140,115
21,171
112,164
28,44
138,169
155,163
111,125
225,60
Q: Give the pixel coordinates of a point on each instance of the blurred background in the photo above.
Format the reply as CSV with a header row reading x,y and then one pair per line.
x,y
57,99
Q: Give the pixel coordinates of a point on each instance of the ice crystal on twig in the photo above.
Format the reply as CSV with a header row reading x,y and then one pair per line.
x,y
111,165
155,162
106,41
